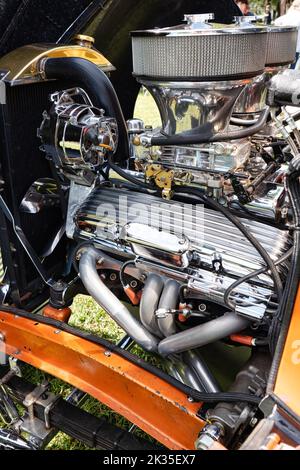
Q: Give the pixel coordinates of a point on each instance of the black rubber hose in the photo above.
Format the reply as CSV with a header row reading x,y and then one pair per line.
x,y
127,176
248,235
251,276
122,272
205,134
100,90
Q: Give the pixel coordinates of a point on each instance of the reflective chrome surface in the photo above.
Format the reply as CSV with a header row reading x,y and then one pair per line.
x,y
42,194
219,157
185,106
253,97
76,134
150,243
268,201
281,41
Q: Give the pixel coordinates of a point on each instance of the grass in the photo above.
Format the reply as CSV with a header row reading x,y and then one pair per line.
x,y
147,110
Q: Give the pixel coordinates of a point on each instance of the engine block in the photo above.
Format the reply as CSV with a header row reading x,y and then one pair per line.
x,y
187,242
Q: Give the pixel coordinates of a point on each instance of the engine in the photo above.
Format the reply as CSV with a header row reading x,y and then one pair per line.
x,y
196,222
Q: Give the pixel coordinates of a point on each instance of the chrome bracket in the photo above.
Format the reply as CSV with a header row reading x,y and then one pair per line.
x,y
40,431
33,397
52,399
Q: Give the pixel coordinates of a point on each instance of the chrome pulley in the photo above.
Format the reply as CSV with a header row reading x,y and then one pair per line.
x,y
75,134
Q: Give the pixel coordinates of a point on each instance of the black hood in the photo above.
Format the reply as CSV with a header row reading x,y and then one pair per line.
x,y
28,21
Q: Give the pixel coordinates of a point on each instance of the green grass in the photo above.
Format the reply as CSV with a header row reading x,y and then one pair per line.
x,y
147,110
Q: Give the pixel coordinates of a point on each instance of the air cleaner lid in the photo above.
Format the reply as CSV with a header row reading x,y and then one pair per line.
x,y
200,50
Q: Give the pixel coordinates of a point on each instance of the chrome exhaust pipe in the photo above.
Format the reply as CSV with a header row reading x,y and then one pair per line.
x,y
182,372
205,378
201,335
110,303
190,367
149,303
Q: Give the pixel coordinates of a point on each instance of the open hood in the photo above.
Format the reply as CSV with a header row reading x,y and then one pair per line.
x,y
28,21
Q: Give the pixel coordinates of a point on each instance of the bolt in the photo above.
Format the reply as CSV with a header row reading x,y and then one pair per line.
x,y
190,400
133,284
113,277
107,353
202,308
204,443
253,422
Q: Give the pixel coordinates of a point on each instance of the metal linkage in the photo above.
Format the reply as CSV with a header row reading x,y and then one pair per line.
x,y
11,441
8,412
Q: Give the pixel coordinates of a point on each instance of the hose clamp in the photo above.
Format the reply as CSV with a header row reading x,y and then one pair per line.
x,y
165,312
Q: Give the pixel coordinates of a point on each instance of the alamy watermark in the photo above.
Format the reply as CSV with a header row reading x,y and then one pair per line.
x,y
185,221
